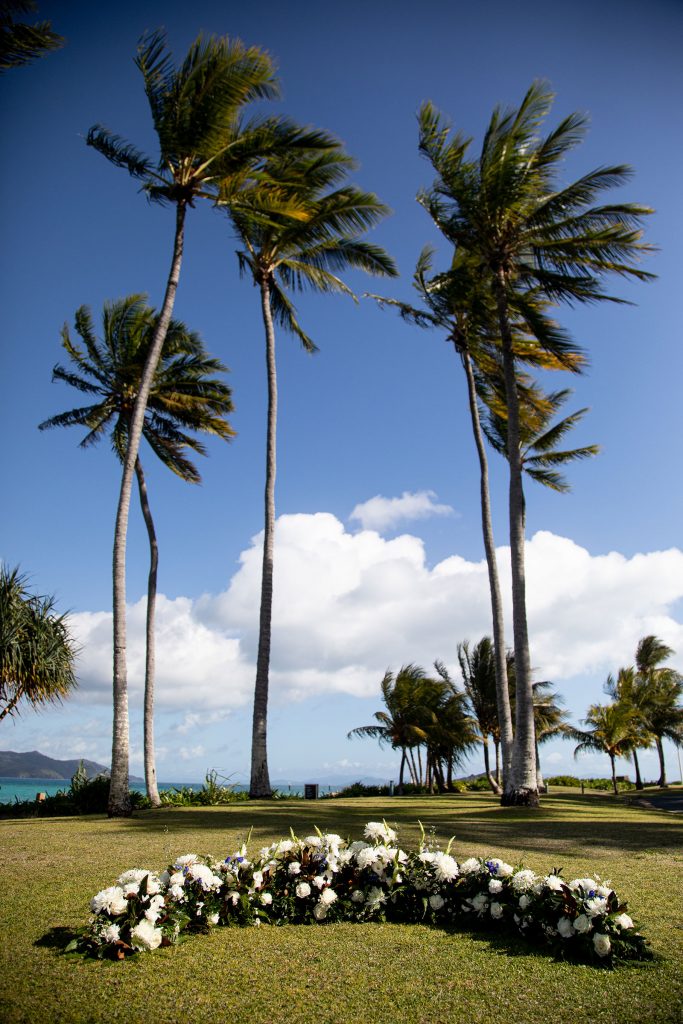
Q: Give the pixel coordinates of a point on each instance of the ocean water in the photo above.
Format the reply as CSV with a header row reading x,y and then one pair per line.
x,y
26,789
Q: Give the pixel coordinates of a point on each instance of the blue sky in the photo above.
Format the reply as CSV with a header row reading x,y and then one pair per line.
x,y
380,411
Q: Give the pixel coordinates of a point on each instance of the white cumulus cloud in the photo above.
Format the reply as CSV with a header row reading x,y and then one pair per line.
x,y
381,513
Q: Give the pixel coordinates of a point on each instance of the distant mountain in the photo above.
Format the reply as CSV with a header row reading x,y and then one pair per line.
x,y
34,765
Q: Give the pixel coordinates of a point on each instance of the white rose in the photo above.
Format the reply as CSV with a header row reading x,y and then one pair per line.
x,y
294,868
357,896
496,911
177,892
623,921
145,936
328,896
495,885
266,899
436,902
554,882
524,902
602,944
258,879
479,903
303,889
319,881
320,912
583,924
565,928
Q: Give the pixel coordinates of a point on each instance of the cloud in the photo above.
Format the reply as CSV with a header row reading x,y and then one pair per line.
x,y
347,606
384,513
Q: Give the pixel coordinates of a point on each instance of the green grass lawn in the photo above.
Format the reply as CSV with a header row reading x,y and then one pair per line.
x,y
382,974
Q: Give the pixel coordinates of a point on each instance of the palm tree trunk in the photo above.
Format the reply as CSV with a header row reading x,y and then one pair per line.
x,y
150,651
412,766
260,780
119,797
614,774
522,788
542,788
487,767
401,770
502,692
419,762
496,747
662,767
449,775
639,780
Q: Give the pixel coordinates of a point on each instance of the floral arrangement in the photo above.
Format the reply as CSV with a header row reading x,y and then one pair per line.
x,y
325,878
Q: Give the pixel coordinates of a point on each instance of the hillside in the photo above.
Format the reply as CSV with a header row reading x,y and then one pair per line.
x,y
34,765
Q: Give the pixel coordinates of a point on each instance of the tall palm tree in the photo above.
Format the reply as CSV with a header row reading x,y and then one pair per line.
x,y
37,651
185,396
527,235
21,43
613,728
663,691
197,112
303,244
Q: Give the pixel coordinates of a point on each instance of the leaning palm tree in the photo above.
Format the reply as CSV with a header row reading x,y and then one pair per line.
x,y
185,398
612,731
631,689
404,724
37,650
197,111
662,693
299,228
479,676
528,235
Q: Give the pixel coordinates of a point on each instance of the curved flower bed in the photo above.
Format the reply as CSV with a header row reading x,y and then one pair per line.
x,y
324,878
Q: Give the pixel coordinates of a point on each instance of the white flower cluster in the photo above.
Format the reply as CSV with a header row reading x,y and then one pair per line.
x,y
325,878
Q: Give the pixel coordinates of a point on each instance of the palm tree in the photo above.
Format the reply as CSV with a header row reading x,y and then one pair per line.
x,y
299,228
21,43
403,725
528,237
197,114
630,689
663,690
613,729
37,651
185,396
479,676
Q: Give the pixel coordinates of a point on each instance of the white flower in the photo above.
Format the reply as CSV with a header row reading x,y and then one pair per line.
x,y
379,831
145,936
565,928
232,897
604,889
436,902
303,889
177,892
356,847
134,875
178,878
596,906
479,903
426,856
376,897
623,921
523,880
319,912
446,867
111,900
186,860
553,882
587,884
153,912
258,879
319,881
332,839
205,876
601,943
111,933
357,896
366,857
130,889
266,899
294,868
524,902
212,918
495,885
499,867
496,911
469,866
314,841
583,924
328,896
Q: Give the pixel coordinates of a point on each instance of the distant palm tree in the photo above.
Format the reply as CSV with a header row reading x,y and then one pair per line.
x,y
479,676
630,689
404,725
299,228
528,235
613,728
21,43
663,688
197,113
37,651
185,396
